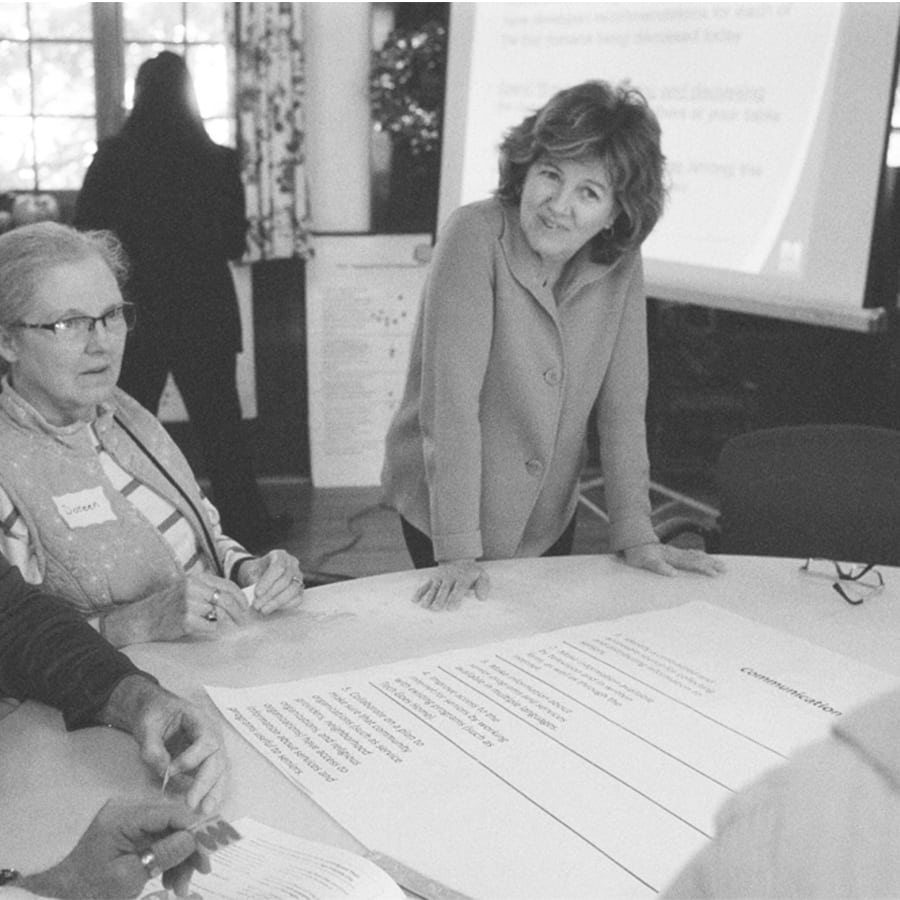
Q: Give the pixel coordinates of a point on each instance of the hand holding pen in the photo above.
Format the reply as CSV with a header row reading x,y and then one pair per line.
x,y
125,845
178,739
183,744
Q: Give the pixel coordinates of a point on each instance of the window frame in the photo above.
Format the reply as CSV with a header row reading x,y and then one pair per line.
x,y
109,49
109,67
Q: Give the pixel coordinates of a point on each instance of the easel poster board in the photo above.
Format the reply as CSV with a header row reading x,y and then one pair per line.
x,y
171,406
362,293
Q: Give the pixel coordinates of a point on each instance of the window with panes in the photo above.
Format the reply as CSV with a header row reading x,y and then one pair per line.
x,y
67,79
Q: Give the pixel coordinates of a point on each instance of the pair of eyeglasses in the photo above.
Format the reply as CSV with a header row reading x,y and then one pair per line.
x,y
854,582
118,320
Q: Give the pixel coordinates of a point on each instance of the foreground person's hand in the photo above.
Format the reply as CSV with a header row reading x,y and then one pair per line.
x,y
125,845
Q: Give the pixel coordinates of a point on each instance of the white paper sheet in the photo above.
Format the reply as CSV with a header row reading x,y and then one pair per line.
x,y
268,864
583,762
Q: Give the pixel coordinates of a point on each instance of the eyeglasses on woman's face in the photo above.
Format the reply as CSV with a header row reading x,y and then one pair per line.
x,y
119,319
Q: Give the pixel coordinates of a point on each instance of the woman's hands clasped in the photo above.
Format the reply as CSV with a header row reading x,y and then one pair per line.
x,y
277,579
200,604
664,559
206,600
450,582
197,604
194,605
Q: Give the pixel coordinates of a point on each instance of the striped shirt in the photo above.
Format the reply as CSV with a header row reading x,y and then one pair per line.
x,y
17,546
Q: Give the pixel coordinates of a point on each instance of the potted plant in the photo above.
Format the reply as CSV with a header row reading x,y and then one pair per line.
x,y
406,90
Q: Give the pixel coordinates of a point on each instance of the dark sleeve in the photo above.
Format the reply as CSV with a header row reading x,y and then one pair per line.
x,y
48,652
236,207
99,195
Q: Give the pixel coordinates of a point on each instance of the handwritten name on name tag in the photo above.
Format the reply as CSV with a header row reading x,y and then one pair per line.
x,y
84,508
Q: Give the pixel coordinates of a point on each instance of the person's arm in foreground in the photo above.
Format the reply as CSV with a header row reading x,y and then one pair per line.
x,y
111,859
825,824
49,653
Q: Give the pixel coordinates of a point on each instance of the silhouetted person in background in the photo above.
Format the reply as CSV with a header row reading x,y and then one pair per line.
x,y
176,202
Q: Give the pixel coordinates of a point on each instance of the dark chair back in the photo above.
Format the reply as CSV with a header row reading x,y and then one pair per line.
x,y
830,491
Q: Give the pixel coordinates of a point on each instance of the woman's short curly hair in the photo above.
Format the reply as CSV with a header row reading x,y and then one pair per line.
x,y
597,120
29,251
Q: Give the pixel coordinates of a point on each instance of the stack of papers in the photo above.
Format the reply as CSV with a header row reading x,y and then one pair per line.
x,y
268,864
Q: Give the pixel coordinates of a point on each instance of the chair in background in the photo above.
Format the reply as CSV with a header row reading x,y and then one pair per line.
x,y
829,491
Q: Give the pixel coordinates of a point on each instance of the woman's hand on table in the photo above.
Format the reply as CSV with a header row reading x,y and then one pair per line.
x,y
450,582
664,559
277,579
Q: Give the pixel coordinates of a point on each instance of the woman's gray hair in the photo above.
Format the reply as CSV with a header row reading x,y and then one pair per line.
x,y
29,251
596,120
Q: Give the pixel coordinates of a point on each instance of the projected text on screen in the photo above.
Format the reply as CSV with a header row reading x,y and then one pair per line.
x,y
774,121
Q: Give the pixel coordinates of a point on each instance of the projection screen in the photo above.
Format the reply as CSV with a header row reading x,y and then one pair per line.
x,y
775,119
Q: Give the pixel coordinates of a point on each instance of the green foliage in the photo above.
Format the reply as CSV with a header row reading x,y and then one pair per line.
x,y
406,86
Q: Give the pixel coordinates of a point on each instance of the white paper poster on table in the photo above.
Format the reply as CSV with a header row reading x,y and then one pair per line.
x,y
271,864
362,293
579,763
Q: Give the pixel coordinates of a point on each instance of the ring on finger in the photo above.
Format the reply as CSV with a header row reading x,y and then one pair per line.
x,y
296,580
151,864
213,615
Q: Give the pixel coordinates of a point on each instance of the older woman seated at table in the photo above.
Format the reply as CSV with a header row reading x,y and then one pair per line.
x,y
96,500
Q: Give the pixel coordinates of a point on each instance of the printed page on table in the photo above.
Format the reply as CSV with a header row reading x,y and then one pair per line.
x,y
267,864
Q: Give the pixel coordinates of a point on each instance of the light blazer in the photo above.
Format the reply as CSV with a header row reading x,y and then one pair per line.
x,y
486,449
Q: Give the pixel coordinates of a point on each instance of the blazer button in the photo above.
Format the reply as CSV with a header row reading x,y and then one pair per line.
x,y
534,467
552,376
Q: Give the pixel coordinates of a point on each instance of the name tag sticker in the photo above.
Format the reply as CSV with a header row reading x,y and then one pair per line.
x,y
85,508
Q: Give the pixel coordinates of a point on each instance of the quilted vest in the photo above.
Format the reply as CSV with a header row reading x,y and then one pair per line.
x,y
92,545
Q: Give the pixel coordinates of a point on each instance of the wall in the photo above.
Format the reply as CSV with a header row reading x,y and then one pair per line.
x,y
338,125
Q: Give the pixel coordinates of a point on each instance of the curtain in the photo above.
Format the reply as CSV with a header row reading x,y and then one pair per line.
x,y
271,132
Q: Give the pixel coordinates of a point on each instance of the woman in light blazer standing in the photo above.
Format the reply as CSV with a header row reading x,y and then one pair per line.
x,y
534,310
